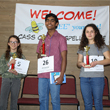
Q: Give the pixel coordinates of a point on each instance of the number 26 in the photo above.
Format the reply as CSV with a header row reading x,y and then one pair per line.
x,y
45,62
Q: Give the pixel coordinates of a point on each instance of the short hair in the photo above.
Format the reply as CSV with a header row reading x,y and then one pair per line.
x,y
53,15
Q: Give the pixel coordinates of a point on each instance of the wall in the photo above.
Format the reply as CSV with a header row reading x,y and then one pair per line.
x,y
7,14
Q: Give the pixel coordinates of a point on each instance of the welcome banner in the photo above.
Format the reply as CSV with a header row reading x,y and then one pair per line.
x,y
72,21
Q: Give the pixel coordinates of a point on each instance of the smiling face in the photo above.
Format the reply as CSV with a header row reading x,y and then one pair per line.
x,y
13,43
90,34
50,23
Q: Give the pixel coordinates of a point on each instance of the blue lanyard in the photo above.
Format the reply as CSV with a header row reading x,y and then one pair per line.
x,y
98,51
50,45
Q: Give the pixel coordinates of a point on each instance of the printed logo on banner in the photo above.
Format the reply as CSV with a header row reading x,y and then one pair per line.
x,y
35,27
30,20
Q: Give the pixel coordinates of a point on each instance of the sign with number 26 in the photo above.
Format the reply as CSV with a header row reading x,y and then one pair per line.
x,y
46,64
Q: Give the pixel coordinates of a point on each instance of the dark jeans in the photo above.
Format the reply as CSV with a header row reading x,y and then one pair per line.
x,y
9,85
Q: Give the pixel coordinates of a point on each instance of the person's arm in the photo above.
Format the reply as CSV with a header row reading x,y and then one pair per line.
x,y
106,61
39,49
3,65
13,71
63,67
80,62
39,54
13,61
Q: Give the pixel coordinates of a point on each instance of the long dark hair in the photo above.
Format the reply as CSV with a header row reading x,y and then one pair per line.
x,y
99,40
19,50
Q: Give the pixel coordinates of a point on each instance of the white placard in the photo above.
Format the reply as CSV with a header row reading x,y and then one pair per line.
x,y
21,65
46,64
97,67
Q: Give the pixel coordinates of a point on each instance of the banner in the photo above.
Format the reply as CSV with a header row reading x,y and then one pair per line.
x,y
72,21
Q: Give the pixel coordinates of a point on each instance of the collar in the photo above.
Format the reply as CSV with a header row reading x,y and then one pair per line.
x,y
11,54
55,33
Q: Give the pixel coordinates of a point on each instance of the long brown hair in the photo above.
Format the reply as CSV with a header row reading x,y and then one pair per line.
x,y
19,50
99,40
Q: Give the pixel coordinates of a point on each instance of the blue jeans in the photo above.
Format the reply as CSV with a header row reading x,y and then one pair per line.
x,y
44,87
92,87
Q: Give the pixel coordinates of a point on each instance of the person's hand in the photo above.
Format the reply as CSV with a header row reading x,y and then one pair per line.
x,y
94,63
40,49
84,65
59,80
13,71
13,61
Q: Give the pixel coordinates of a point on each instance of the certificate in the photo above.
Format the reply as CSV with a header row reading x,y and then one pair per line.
x,y
21,65
45,64
97,68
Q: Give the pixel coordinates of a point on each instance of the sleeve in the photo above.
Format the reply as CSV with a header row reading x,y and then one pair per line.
x,y
21,75
63,44
3,65
23,57
38,46
80,52
105,48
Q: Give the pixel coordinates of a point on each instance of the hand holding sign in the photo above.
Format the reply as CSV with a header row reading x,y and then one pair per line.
x,y
13,71
94,62
21,65
96,67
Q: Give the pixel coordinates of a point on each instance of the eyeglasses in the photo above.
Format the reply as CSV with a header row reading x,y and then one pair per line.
x,y
13,42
